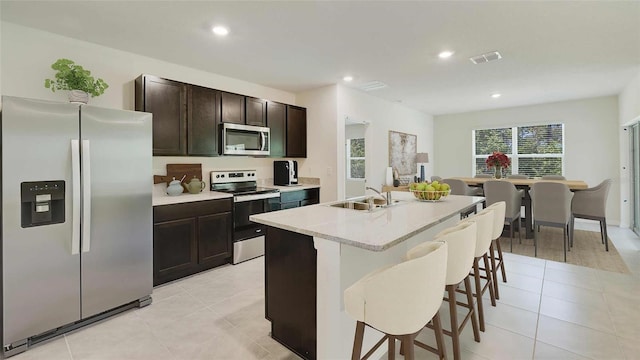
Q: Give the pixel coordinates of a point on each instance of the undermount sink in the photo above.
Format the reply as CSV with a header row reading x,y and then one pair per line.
x,y
364,204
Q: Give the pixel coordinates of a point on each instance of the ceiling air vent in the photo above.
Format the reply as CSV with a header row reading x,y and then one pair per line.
x,y
371,85
490,56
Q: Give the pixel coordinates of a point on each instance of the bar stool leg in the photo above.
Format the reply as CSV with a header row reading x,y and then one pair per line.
x,y
437,327
455,331
476,277
489,276
501,258
409,347
391,354
357,342
494,270
474,319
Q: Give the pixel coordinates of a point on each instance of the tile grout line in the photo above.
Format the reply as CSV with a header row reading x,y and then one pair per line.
x,y
535,336
68,346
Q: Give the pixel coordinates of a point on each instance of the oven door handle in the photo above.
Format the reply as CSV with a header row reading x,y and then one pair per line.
x,y
244,198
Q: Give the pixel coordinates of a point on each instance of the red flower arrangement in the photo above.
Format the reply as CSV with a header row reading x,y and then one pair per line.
x,y
498,159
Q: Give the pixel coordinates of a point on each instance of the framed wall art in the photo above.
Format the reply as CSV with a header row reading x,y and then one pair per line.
x,y
402,152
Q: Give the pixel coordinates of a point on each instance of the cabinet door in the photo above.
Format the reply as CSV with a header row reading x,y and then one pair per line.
x,y
214,238
167,101
232,108
289,205
175,251
256,111
276,121
296,132
204,117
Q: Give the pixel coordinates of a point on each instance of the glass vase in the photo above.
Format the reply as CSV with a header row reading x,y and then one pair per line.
x,y
497,172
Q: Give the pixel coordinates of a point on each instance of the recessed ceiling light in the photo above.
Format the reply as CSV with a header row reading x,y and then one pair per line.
x,y
496,95
220,30
445,54
348,78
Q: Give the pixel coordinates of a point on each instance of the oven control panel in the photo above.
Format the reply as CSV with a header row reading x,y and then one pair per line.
x,y
220,177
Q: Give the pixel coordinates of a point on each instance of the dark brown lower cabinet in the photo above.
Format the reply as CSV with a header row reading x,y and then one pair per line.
x,y
290,285
294,199
191,237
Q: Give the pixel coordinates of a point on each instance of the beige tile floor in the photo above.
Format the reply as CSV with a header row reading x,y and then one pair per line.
x,y
547,310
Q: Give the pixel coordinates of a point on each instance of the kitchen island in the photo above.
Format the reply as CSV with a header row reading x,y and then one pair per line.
x,y
313,253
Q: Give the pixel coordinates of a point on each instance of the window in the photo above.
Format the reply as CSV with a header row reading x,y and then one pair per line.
x,y
355,158
534,150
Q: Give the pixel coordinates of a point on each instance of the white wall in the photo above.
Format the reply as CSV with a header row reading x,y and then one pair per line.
x,y
383,116
591,140
26,58
629,107
322,135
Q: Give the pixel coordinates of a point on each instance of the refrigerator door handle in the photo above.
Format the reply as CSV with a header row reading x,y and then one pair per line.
x,y
86,196
75,198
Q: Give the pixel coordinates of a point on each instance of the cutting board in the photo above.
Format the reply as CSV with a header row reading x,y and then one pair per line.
x,y
178,171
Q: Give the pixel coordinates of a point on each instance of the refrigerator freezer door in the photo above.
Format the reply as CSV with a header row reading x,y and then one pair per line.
x,y
118,266
40,276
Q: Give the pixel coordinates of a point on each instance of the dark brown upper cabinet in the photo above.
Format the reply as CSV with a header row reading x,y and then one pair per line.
x,y
203,120
167,101
232,108
256,111
296,132
277,123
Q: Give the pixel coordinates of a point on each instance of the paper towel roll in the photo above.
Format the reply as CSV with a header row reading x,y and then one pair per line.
x,y
389,177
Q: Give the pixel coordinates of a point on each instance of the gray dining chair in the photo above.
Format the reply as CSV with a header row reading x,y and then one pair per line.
x,y
436,178
459,187
553,177
517,176
499,190
486,176
551,206
591,204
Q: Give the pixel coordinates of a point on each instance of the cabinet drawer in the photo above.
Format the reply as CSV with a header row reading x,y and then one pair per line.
x,y
192,209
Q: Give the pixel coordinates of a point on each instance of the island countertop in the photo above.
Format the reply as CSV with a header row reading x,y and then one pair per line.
x,y
377,230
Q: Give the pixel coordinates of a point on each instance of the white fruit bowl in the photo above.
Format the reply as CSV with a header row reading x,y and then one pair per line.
x,y
432,196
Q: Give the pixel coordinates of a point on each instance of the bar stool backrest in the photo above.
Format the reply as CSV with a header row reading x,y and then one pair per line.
x,y
462,247
402,298
499,209
485,222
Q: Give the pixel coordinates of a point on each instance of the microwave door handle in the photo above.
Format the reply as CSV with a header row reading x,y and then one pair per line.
x,y
263,141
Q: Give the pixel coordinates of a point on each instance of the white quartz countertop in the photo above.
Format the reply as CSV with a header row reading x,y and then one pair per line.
x,y
377,230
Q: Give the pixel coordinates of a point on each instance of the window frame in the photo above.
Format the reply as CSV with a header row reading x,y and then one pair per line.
x,y
514,155
349,158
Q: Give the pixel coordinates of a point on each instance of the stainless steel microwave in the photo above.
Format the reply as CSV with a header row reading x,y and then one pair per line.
x,y
245,140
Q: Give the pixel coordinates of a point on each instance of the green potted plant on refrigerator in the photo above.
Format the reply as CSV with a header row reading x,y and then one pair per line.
x,y
73,77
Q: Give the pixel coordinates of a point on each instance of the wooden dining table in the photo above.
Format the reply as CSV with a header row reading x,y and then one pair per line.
x,y
574,185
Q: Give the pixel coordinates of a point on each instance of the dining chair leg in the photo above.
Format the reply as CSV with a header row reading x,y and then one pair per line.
x,y
494,270
437,328
572,221
564,244
476,278
601,232
489,275
566,230
606,237
511,235
535,242
519,232
357,341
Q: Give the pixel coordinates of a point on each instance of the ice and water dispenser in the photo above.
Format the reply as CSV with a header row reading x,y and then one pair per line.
x,y
42,203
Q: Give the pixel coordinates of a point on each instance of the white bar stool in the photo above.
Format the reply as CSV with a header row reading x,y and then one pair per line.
x,y
462,244
484,221
400,300
499,209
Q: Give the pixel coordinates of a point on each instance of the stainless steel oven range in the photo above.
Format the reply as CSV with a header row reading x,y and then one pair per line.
x,y
248,199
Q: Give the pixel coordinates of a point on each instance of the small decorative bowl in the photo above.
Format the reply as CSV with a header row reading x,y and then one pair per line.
x,y
431,196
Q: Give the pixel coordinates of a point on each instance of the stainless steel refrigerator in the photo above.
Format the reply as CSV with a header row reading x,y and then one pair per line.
x,y
76,216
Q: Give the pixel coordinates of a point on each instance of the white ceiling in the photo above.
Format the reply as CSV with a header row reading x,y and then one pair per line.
x,y
552,51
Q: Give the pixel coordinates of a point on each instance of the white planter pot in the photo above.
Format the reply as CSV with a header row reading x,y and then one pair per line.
x,y
78,97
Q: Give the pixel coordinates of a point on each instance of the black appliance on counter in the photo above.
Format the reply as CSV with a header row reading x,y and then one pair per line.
x,y
248,199
285,172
